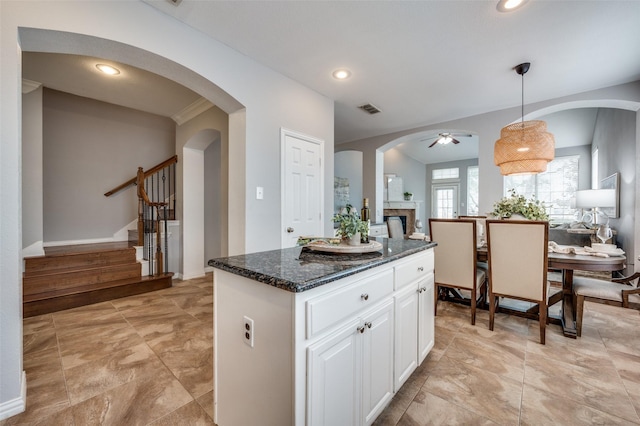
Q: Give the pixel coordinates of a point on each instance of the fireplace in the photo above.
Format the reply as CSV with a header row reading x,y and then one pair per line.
x,y
407,211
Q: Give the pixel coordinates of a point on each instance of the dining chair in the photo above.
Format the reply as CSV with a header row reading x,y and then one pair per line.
x,y
455,261
394,226
517,254
623,292
481,235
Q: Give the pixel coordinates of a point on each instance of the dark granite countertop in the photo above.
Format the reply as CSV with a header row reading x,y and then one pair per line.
x,y
298,269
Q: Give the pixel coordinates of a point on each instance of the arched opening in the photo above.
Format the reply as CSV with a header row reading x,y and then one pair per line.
x,y
38,40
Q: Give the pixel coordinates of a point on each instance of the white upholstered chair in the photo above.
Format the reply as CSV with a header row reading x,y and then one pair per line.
x,y
622,292
394,227
455,260
517,253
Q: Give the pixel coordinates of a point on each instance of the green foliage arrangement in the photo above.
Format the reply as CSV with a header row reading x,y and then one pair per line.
x,y
350,223
517,204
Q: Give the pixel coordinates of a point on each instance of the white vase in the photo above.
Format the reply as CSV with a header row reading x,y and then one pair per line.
x,y
355,240
517,216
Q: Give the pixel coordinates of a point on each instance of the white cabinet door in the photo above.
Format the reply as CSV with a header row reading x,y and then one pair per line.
x,y
426,320
334,378
406,334
377,363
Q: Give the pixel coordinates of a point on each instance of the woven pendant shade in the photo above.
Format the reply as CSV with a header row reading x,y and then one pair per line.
x,y
523,148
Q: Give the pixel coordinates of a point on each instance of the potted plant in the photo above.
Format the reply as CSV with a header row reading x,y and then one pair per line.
x,y
350,226
408,196
517,205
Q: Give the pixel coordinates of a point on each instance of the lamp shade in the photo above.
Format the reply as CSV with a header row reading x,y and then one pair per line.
x,y
524,148
591,198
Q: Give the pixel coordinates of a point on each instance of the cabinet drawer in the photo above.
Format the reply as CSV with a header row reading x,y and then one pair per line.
x,y
418,266
378,230
327,310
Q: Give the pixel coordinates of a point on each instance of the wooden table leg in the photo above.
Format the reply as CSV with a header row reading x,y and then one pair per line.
x,y
568,322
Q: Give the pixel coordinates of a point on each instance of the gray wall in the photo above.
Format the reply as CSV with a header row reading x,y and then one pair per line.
x,y
89,148
614,136
413,174
32,210
348,164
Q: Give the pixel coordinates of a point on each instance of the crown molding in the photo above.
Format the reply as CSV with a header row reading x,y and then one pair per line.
x,y
29,86
191,111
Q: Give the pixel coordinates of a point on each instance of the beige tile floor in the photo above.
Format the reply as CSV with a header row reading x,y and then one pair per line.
x,y
147,360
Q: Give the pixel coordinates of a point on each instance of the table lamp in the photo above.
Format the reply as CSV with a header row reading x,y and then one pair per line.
x,y
593,199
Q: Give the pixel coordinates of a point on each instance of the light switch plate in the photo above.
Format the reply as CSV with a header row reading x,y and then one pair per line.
x,y
259,193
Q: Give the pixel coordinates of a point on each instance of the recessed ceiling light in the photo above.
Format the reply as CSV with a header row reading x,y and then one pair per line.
x,y
108,69
510,5
341,74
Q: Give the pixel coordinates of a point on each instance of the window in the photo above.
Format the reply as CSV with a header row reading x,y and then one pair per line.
x,y
472,191
556,187
453,173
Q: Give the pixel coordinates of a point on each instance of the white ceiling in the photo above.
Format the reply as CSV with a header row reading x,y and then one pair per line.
x,y
420,62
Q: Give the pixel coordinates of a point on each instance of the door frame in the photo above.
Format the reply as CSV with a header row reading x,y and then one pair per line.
x,y
310,139
441,185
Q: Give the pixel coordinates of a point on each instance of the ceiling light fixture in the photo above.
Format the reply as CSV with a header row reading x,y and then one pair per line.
x,y
108,69
510,5
525,147
341,74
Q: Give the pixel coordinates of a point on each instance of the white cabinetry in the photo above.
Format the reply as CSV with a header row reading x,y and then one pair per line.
x,y
331,355
350,376
426,320
414,334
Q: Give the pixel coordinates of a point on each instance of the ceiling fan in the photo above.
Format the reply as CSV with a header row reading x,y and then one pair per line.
x,y
446,138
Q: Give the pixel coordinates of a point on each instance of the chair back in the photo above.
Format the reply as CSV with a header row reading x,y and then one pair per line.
x,y
518,253
455,254
394,226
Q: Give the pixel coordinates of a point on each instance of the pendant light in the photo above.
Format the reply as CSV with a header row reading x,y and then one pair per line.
x,y
525,147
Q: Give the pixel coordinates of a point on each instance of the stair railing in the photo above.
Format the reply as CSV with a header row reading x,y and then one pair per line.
x,y
156,205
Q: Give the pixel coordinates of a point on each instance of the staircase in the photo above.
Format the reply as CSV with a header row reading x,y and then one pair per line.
x,y
71,276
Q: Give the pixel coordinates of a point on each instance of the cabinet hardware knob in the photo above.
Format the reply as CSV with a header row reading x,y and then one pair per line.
x,y
364,296
423,289
368,324
361,329
290,229
421,268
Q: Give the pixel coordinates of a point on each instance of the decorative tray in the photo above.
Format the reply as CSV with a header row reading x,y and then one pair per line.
x,y
344,248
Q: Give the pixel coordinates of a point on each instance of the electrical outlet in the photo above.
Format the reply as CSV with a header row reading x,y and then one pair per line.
x,y
248,331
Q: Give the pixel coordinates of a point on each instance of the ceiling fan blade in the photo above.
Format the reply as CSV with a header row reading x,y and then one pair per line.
x,y
434,142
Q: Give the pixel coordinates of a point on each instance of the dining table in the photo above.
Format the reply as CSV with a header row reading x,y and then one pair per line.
x,y
568,263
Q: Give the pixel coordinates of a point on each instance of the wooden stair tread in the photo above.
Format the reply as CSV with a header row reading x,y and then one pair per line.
x,y
81,270
91,287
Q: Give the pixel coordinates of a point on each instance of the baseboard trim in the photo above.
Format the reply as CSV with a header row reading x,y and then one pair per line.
x,y
16,405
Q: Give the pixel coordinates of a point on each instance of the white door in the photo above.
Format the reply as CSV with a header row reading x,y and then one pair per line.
x,y
302,187
444,201
377,363
334,378
426,320
406,340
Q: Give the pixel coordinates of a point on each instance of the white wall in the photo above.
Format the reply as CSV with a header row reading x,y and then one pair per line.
x,y
252,94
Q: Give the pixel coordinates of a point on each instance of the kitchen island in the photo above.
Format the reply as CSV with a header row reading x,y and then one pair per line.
x,y
303,337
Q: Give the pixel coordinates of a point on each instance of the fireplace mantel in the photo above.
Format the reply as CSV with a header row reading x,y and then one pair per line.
x,y
409,209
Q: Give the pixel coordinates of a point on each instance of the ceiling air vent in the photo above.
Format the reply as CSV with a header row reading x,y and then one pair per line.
x,y
371,109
